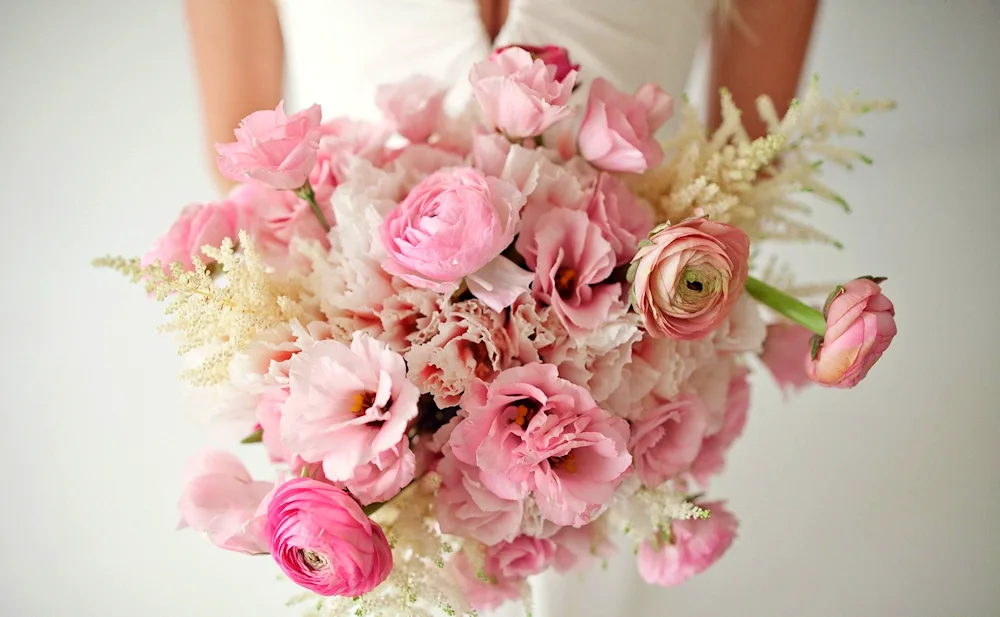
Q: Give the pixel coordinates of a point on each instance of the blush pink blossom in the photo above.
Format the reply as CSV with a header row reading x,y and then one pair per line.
x,y
387,474
521,95
618,132
694,545
413,106
667,439
466,508
522,557
482,596
552,55
272,149
347,405
322,540
623,218
197,226
274,218
532,433
786,352
343,141
407,312
860,324
711,458
269,417
578,548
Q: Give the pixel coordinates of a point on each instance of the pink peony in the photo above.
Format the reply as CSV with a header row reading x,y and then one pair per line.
x,y
786,352
552,55
577,548
198,225
347,405
466,508
712,457
693,546
269,417
413,106
343,141
222,500
387,474
522,557
323,541
623,218
531,432
618,132
687,277
273,150
667,439
860,324
482,596
521,96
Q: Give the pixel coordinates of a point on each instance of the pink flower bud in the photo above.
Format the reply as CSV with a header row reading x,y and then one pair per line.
x,y
552,55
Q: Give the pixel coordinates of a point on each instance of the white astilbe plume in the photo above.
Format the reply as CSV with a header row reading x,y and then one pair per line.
x,y
642,512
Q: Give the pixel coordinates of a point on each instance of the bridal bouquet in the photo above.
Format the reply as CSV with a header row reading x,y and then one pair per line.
x,y
484,346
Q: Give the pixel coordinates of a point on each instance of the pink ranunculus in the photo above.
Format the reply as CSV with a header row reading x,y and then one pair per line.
x,y
786,352
269,417
687,277
342,141
860,324
521,557
667,439
347,405
198,225
572,263
272,149
413,106
623,218
577,548
222,500
552,55
520,95
712,456
387,474
323,541
532,433
466,508
694,545
482,596
618,132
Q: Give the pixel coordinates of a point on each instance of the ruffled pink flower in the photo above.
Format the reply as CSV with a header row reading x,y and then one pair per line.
x,y
860,324
711,458
552,55
534,331
343,141
667,439
521,96
618,132
388,473
623,218
532,433
578,548
275,218
222,500
347,405
269,417
197,226
323,541
482,596
262,366
786,352
404,314
687,277
466,508
413,106
273,150
694,545
521,557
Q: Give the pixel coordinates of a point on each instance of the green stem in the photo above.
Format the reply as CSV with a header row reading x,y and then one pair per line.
x,y
790,307
306,192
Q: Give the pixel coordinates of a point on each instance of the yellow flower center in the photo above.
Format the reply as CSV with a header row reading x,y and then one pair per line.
x,y
362,402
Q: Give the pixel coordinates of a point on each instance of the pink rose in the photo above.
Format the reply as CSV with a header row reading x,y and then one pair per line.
x,y
222,500
413,106
618,132
552,55
687,277
786,352
522,557
577,548
667,439
347,405
531,432
712,457
323,541
623,218
269,417
343,141
482,596
521,96
466,508
198,225
387,474
693,546
860,324
272,149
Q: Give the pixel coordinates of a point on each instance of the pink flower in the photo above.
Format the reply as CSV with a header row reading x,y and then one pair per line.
x,y
413,106
521,96
197,226
786,352
275,218
577,548
572,263
388,473
618,132
712,457
323,541
272,149
860,324
552,55
407,312
466,508
534,331
347,405
343,141
222,500
522,557
269,416
687,277
693,546
483,596
623,218
667,439
530,432
262,366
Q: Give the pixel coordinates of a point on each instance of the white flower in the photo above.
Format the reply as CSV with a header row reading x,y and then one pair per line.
x,y
744,330
710,381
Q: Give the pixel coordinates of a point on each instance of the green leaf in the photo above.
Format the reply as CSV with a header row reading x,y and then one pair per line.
x,y
878,280
829,299
254,437
817,342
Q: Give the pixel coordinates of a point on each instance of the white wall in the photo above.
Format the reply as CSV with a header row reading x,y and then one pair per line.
x,y
880,501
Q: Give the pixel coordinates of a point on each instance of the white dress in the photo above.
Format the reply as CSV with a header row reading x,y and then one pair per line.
x,y
340,51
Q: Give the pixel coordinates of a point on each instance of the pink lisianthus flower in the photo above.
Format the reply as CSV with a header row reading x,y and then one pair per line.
x,y
269,417
322,540
577,548
693,546
413,106
222,500
623,218
786,352
552,55
522,557
272,149
618,132
711,458
520,95
347,405
532,433
466,508
343,141
860,324
197,226
383,478
667,439
483,596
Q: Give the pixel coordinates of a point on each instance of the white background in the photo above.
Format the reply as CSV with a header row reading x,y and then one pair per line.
x,y
880,501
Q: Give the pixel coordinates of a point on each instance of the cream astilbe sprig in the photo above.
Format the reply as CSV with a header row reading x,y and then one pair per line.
x,y
643,512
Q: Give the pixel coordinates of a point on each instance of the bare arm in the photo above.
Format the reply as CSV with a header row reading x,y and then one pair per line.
x,y
760,49
239,58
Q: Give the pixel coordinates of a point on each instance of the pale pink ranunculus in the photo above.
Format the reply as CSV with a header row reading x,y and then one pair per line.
x,y
482,596
687,277
324,542
552,55
223,501
694,545
860,324
466,508
578,548
342,141
786,352
623,218
531,432
387,474
667,438
521,557
347,405
197,226
269,417
413,106
520,95
272,149
711,457
618,132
